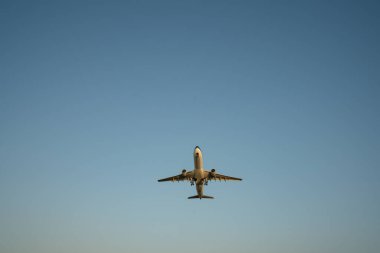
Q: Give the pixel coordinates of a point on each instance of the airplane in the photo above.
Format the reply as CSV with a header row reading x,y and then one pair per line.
x,y
199,176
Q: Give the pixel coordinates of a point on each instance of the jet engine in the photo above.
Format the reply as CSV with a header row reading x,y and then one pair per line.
x,y
212,173
183,173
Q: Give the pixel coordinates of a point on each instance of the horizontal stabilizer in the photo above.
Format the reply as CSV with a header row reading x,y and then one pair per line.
x,y
200,197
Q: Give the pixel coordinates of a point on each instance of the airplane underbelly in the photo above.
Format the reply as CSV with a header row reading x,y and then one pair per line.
x,y
200,189
198,174
198,163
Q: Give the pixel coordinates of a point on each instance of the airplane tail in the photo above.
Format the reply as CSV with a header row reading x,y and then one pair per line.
x,y
200,197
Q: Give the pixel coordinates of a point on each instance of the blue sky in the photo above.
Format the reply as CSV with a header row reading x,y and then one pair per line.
x,y
98,100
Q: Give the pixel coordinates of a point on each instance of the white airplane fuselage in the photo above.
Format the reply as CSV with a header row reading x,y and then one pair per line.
x,y
198,170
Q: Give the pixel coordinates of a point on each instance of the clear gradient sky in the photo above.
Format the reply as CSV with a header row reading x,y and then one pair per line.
x,y
98,100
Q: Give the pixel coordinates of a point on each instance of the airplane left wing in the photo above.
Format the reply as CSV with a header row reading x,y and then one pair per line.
x,y
180,177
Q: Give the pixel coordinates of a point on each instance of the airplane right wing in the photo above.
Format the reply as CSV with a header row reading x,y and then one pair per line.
x,y
223,177
211,175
